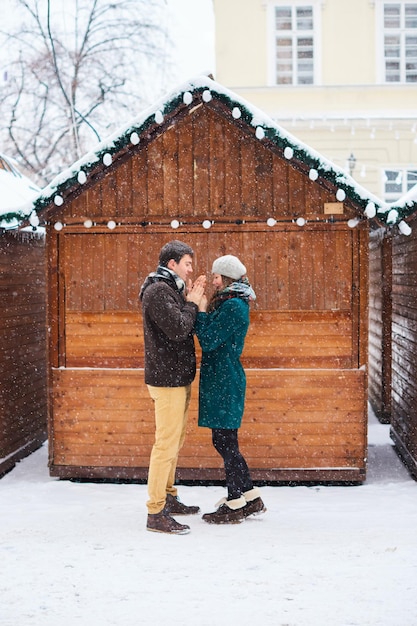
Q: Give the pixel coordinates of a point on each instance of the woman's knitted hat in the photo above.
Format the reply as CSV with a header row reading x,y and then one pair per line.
x,y
229,266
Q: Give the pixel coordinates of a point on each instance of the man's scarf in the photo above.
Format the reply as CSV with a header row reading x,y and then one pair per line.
x,y
163,273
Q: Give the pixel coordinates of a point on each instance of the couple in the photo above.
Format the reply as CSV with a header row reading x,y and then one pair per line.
x,y
173,309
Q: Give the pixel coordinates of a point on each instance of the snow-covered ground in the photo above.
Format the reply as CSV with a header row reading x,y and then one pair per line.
x,y
79,555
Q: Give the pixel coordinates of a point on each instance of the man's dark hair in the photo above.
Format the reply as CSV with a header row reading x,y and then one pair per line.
x,y
174,250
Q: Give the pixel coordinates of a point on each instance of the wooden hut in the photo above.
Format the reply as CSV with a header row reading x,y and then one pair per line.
x,y
22,323
380,315
394,371
205,167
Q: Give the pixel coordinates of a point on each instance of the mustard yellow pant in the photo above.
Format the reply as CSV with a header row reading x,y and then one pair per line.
x,y
171,412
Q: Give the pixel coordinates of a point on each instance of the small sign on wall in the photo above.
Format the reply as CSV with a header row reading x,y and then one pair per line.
x,y
333,207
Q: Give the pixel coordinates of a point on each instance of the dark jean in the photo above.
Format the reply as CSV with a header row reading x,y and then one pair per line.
x,y
238,478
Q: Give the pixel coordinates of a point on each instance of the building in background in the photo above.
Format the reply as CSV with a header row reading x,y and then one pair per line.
x,y
341,75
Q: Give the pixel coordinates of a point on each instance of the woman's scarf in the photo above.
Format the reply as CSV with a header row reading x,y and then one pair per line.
x,y
238,289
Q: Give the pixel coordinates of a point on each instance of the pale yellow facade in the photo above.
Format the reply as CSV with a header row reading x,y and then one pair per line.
x,y
350,108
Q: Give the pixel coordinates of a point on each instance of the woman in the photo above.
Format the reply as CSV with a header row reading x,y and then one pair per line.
x,y
221,329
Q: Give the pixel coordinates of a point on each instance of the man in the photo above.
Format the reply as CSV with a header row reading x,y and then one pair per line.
x,y
169,306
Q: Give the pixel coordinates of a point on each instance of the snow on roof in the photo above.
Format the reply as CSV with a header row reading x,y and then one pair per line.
x,y
17,194
207,89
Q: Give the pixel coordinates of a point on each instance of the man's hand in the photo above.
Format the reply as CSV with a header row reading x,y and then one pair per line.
x,y
195,291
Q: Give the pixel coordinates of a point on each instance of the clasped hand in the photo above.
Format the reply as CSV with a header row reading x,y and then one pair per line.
x,y
196,292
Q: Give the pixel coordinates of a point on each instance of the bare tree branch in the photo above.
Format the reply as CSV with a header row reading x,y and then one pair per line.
x,y
76,68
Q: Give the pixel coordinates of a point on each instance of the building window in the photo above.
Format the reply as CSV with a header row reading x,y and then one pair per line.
x,y
294,45
397,183
400,41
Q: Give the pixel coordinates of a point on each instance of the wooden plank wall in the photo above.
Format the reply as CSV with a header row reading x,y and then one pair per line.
x,y
292,339
380,285
292,326
293,358
404,347
22,346
312,269
104,424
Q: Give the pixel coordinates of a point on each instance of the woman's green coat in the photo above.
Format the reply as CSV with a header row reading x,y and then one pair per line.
x,y
221,334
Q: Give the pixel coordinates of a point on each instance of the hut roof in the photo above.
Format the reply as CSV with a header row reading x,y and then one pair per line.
x,y
17,193
407,205
204,90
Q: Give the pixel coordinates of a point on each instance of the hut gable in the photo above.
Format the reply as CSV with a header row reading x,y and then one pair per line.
x,y
211,114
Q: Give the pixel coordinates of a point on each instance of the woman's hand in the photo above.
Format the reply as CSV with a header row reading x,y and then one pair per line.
x,y
202,307
195,292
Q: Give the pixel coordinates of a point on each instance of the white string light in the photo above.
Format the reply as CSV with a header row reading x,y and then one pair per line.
x,y
404,228
260,133
352,223
34,219
392,216
370,210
